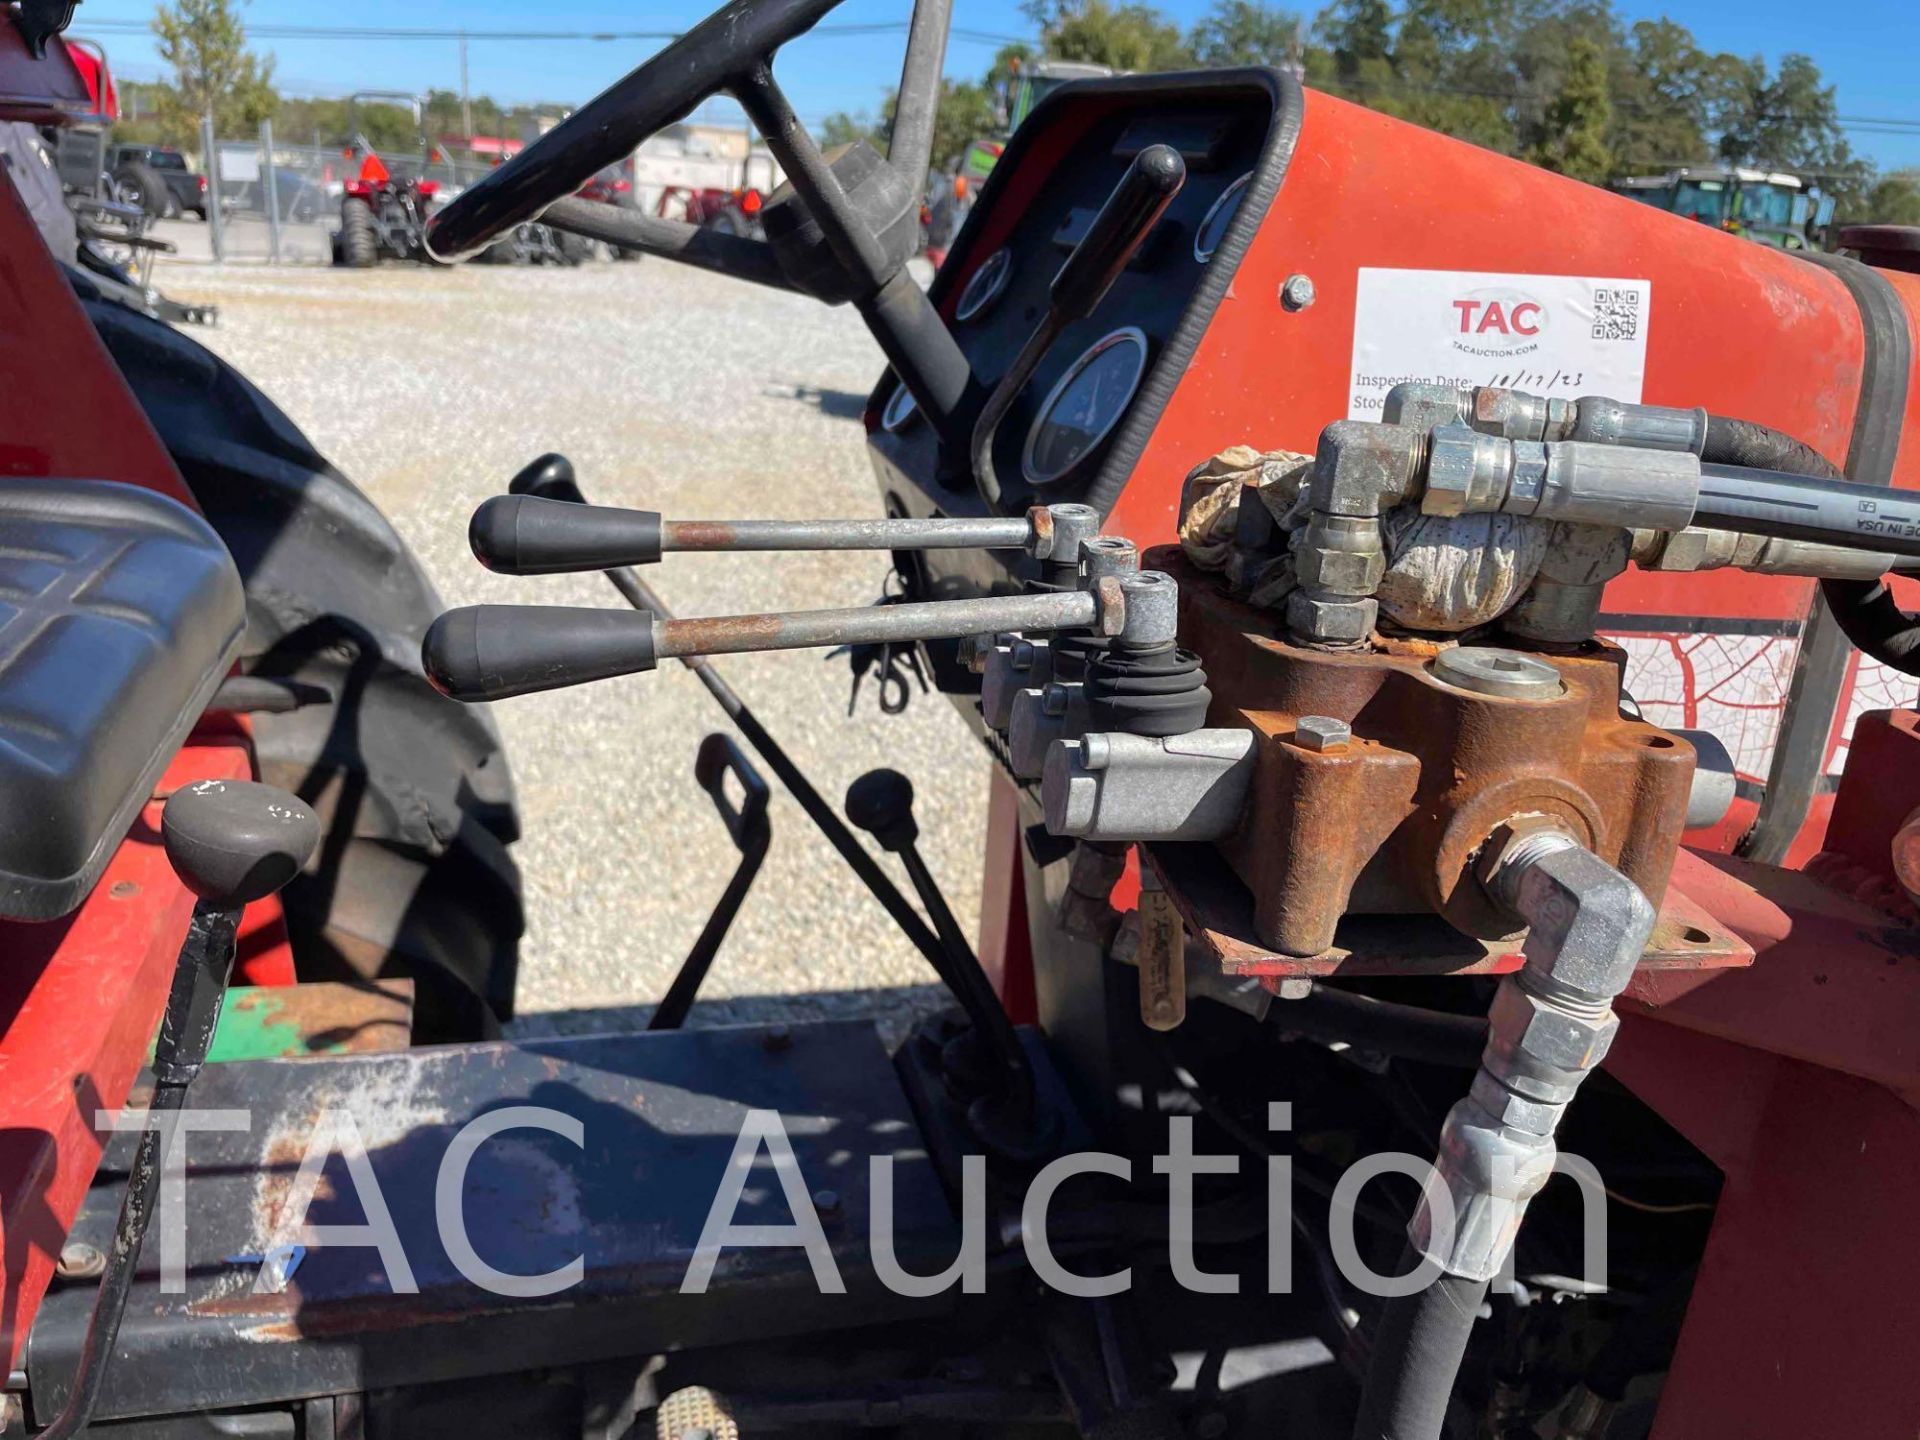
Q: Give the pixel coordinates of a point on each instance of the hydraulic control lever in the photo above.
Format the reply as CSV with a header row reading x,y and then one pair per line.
x,y
491,652
527,534
1111,241
231,842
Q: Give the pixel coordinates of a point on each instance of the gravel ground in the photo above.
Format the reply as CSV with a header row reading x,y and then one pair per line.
x,y
671,390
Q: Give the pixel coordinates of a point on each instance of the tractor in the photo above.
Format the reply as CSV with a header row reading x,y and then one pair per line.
x,y
382,217
1771,207
1446,958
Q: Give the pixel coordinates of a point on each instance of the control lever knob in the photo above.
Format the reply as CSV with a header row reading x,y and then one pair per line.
x,y
1134,207
491,652
235,841
880,802
550,477
532,535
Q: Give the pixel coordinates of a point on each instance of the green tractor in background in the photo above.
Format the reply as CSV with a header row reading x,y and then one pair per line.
x,y
1769,206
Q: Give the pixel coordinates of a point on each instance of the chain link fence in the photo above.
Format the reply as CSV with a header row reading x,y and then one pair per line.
x,y
280,201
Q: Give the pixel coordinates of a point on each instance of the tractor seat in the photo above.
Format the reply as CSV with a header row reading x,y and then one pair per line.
x,y
120,612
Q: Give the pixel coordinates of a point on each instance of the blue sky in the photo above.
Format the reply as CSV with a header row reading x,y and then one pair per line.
x,y
1869,48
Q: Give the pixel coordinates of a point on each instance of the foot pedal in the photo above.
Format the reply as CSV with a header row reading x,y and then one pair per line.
x,y
695,1413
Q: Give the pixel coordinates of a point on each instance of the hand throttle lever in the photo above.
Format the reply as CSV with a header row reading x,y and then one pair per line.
x,y
530,534
1111,241
491,652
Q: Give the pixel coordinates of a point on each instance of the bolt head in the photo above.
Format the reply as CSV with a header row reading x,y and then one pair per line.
x,y
80,1261
1297,293
1322,732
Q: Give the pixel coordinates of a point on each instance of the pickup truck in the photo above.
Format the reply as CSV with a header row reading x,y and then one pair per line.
x,y
158,179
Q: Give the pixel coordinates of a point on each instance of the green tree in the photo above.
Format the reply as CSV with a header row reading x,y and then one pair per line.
x,y
1356,33
214,71
841,128
1574,138
1894,200
1246,32
1130,36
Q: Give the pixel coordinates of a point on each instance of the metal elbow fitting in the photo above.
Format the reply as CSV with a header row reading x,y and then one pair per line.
x,y
1549,1027
1119,787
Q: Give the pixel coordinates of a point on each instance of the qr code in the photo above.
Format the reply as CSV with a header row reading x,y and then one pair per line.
x,y
1616,314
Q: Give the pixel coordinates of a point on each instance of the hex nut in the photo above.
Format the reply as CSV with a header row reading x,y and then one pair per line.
x,y
1343,572
1322,732
1451,462
1504,844
1321,621
1549,1033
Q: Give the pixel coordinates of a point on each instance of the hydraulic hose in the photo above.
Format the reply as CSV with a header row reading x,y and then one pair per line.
x,y
1417,1349
1863,609
1410,1032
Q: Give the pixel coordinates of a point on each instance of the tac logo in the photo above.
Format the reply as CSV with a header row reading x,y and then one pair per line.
x,y
1496,321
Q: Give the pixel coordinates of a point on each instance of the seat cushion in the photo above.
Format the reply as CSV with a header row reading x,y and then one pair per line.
x,y
120,612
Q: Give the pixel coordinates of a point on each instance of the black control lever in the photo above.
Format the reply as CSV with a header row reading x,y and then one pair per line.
x,y
1111,241
529,535
881,803
491,652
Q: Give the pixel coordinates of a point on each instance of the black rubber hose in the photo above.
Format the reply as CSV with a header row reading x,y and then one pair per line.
x,y
1415,1357
1863,609
1409,1032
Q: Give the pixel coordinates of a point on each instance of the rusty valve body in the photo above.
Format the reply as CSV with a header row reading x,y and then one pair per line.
x,y
1391,819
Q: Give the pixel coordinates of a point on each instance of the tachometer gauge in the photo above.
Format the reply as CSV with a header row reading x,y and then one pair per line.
x,y
900,409
985,285
1220,215
1086,404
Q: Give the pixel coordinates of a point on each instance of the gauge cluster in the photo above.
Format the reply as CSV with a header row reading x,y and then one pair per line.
x,y
1083,417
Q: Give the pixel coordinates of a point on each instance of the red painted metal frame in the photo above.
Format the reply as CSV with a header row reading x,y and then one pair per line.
x,y
79,997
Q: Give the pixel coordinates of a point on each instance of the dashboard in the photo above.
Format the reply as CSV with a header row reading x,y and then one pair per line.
x,y
1082,419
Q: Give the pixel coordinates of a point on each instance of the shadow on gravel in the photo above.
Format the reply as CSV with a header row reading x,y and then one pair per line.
x,y
840,404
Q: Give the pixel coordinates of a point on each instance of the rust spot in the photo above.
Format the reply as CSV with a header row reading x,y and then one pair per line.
x,y
699,535
1041,519
722,633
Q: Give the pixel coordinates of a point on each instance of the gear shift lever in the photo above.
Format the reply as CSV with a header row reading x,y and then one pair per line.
x,y
231,842
1009,1119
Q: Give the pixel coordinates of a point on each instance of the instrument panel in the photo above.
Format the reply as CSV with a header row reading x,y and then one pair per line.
x,y
1081,421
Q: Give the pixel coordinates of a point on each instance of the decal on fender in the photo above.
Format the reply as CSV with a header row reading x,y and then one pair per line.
x,y
1561,336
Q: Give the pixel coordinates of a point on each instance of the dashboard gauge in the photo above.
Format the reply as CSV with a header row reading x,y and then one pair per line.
x,y
985,285
900,409
1087,403
1213,229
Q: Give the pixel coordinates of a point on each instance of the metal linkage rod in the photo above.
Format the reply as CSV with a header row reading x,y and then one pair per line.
x,y
983,533
867,624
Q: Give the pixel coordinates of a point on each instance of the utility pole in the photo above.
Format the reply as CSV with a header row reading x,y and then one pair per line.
x,y
466,100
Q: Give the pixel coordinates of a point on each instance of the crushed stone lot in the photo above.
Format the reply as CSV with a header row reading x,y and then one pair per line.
x,y
676,391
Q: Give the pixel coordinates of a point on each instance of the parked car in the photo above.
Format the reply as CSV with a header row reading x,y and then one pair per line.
x,y
158,179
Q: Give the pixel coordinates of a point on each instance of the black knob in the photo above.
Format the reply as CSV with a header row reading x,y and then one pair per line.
x,y
880,802
550,477
528,535
489,652
234,841
1131,212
